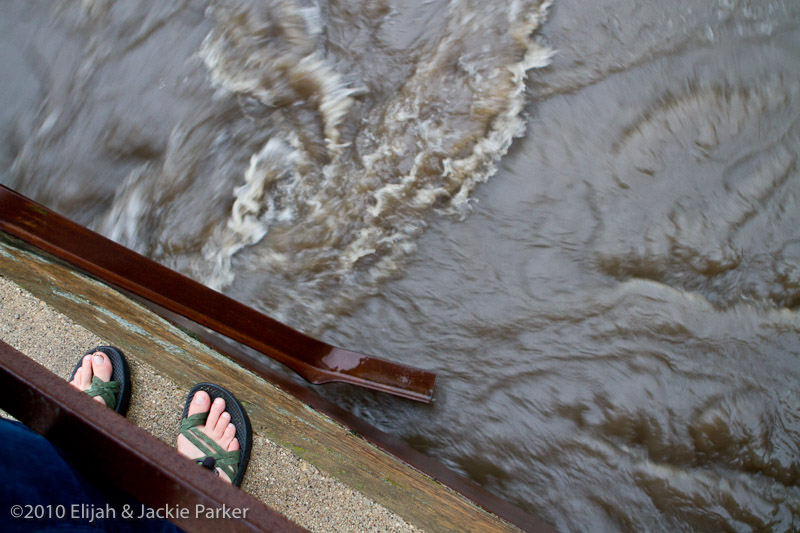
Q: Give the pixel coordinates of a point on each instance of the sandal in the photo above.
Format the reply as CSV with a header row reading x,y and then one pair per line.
x,y
232,463
117,391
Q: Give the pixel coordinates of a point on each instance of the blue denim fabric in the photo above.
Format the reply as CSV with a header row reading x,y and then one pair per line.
x,y
38,483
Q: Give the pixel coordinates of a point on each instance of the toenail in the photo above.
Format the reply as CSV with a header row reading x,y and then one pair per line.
x,y
218,401
98,359
198,398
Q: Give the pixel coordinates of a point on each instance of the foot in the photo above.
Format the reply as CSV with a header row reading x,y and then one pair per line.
x,y
218,426
95,364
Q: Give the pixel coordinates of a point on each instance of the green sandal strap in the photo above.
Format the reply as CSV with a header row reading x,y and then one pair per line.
x,y
107,390
197,419
227,461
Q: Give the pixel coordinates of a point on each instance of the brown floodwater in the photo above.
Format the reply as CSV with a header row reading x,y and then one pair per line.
x,y
585,218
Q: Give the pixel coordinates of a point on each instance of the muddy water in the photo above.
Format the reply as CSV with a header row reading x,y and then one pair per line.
x,y
600,257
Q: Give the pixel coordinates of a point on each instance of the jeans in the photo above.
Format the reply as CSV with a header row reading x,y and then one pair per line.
x,y
40,491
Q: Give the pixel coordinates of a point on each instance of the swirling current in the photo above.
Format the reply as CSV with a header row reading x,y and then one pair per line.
x,y
583,216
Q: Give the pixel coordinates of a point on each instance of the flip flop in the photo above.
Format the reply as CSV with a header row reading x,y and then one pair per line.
x,y
117,391
233,463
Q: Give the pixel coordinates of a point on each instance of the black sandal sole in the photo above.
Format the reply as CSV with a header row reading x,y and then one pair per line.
x,y
239,419
120,372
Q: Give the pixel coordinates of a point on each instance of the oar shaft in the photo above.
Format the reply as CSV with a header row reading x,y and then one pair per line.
x,y
312,359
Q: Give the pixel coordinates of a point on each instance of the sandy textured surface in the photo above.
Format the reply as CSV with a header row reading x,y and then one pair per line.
x,y
275,476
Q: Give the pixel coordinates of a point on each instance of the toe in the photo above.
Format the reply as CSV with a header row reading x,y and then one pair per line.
x,y
86,373
101,366
217,408
222,423
200,403
234,445
227,436
76,379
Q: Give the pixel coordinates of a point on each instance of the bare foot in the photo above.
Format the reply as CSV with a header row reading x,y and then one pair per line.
x,y
96,364
218,426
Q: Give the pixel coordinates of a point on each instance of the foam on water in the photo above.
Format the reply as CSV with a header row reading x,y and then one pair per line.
x,y
347,176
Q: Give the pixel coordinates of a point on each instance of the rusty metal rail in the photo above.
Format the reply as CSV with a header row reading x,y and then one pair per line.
x,y
314,360
135,461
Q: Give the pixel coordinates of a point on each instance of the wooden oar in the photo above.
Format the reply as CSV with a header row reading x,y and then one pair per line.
x,y
312,359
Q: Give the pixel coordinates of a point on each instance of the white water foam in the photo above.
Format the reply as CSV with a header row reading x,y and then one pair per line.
x,y
351,162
